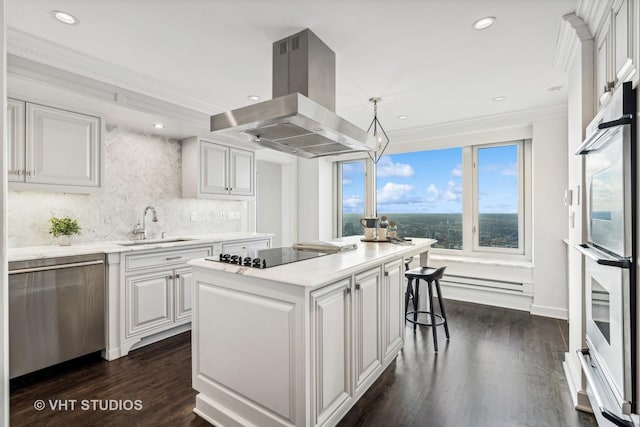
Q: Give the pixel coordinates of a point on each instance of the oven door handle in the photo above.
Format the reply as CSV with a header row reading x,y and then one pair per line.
x,y
586,369
598,138
602,258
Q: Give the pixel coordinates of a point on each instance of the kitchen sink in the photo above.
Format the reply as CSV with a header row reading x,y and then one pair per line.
x,y
151,241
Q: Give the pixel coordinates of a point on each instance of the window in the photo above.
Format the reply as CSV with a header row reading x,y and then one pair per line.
x,y
422,193
470,199
352,194
498,199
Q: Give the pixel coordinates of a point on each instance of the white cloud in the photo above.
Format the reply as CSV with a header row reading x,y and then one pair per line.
x,y
386,167
346,182
452,193
392,192
511,170
457,171
352,204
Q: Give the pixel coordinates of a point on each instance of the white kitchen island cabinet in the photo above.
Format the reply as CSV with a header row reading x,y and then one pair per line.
x,y
297,344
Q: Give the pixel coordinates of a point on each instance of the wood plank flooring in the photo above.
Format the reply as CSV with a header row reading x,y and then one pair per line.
x,y
501,368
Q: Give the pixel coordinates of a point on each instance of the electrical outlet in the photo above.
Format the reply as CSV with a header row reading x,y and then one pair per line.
x,y
194,216
234,215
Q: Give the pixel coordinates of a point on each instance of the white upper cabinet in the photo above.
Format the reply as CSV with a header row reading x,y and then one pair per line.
x,y
616,48
211,170
15,139
241,172
214,174
53,149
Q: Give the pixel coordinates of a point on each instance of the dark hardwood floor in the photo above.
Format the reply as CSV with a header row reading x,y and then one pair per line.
x,y
501,368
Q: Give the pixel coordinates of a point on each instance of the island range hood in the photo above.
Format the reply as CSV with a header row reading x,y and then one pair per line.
x,y
301,118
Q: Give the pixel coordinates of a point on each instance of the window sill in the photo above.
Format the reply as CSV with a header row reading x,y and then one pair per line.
x,y
481,261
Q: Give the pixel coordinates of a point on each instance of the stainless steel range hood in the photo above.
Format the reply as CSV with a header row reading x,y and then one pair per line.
x,y
300,120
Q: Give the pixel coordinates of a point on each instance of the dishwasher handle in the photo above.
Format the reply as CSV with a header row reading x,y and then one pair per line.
x,y
54,267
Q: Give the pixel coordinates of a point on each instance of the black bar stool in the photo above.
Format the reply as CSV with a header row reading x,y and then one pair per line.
x,y
430,275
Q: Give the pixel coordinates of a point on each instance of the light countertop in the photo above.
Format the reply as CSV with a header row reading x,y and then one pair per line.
x,y
51,251
324,269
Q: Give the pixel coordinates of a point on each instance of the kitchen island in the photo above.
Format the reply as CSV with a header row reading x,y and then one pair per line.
x,y
297,344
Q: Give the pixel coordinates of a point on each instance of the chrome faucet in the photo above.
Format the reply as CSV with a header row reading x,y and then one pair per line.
x,y
142,230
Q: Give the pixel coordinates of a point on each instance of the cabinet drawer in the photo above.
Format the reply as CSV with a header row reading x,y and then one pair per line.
x,y
164,258
229,248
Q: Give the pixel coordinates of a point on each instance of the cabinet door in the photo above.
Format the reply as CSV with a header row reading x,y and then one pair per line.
x,y
213,168
15,140
623,40
183,289
393,308
367,317
242,172
331,352
62,147
603,61
149,301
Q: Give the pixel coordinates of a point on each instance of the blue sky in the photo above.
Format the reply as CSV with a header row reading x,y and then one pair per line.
x,y
431,182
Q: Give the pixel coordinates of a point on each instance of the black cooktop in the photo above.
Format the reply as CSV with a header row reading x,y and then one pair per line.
x,y
264,258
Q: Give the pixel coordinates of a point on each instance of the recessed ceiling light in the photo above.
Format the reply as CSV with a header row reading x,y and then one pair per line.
x,y
484,23
403,117
65,17
554,88
158,125
499,98
253,97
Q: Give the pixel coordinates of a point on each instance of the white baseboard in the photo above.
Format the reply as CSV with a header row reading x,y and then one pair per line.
x,y
555,312
487,296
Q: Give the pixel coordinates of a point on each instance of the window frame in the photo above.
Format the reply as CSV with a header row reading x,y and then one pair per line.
x,y
339,191
525,226
475,232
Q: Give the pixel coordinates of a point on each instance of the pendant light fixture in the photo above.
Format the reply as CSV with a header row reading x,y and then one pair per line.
x,y
381,138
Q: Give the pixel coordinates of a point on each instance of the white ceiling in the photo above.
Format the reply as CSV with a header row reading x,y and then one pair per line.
x,y
421,56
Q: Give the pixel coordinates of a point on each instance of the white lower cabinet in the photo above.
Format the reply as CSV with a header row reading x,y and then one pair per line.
x,y
183,287
331,350
156,292
149,301
356,330
245,245
393,309
367,327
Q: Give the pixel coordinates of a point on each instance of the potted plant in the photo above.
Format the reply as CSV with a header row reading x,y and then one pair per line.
x,y
63,229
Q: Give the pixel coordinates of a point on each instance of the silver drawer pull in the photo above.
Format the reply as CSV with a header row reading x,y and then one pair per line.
x,y
169,258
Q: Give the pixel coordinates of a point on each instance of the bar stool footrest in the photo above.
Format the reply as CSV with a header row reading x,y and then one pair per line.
x,y
423,320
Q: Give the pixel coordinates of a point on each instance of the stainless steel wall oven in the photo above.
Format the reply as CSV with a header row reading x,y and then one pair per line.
x,y
610,359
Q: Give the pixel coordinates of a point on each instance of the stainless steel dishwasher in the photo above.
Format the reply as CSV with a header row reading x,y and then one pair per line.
x,y
56,311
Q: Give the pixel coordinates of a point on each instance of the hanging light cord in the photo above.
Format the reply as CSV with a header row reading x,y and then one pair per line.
x,y
375,123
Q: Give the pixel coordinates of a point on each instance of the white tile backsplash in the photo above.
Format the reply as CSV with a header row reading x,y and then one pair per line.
x,y
140,170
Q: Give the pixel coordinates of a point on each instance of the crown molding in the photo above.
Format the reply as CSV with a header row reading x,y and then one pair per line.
x,y
593,13
514,119
573,32
39,50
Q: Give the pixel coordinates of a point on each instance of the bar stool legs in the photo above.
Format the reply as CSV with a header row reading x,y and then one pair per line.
x,y
430,275
444,315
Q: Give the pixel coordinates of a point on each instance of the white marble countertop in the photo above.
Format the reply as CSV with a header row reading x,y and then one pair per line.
x,y
325,269
51,251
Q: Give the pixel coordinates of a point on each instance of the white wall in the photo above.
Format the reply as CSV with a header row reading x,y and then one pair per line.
x,y
140,169
315,199
269,191
549,163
